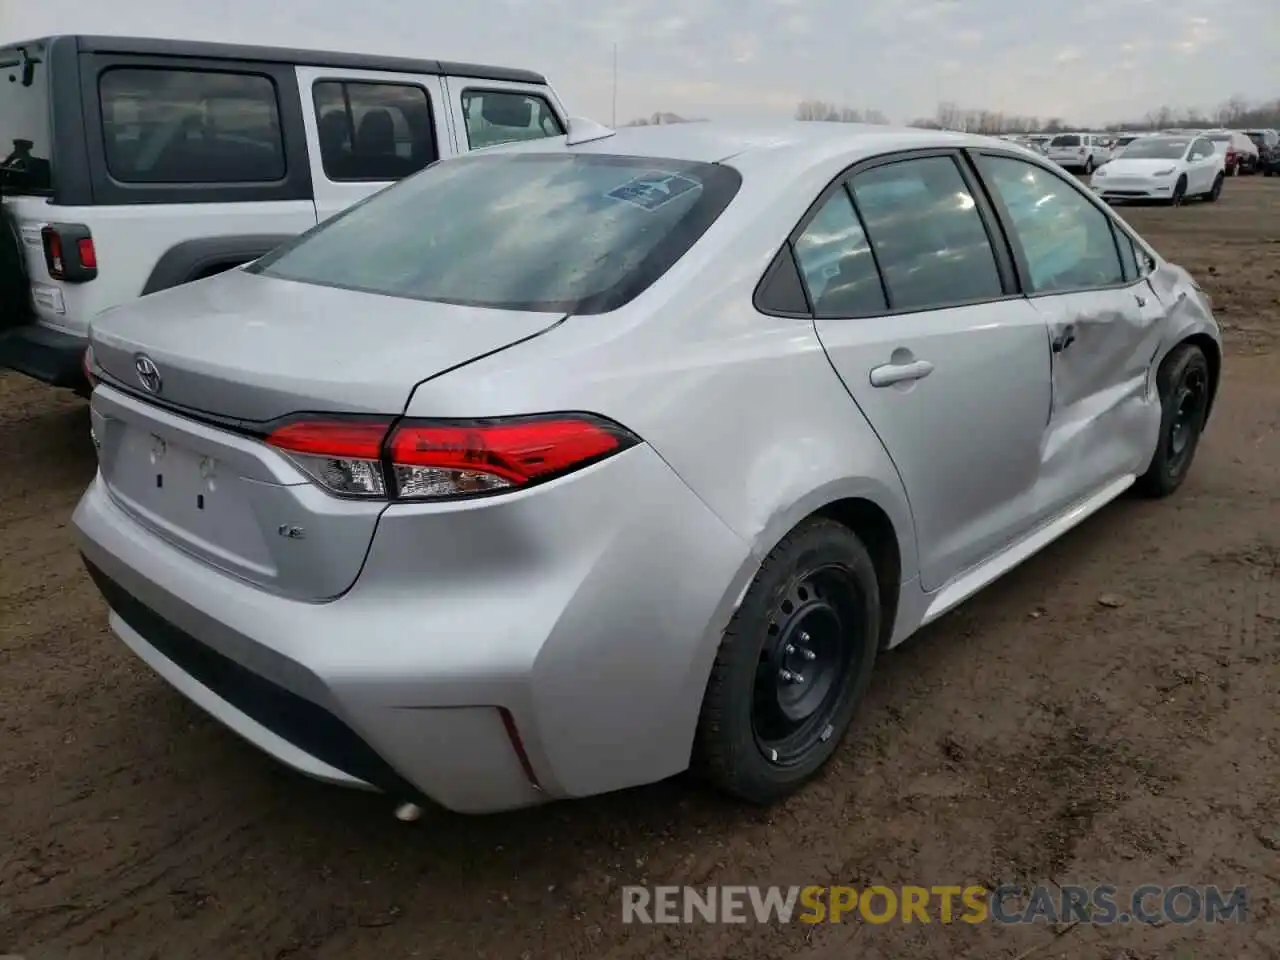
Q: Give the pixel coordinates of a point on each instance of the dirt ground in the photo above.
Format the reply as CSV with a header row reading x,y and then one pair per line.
x,y
1034,735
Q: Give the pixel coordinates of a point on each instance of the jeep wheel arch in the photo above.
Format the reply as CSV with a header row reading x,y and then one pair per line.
x,y
205,256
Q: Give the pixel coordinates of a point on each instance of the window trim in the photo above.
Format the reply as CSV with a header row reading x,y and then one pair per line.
x,y
107,190
529,94
1000,249
1015,244
345,82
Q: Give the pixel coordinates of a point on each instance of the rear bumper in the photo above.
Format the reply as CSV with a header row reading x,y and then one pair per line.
x,y
50,356
593,646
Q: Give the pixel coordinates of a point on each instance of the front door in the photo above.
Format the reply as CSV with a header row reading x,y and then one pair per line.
x,y
368,129
950,371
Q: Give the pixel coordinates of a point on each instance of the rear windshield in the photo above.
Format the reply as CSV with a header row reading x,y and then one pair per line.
x,y
1065,141
25,141
1259,139
535,231
1156,148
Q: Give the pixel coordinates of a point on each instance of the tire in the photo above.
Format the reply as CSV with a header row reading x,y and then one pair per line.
x,y
818,587
1179,192
1088,166
1183,382
1216,191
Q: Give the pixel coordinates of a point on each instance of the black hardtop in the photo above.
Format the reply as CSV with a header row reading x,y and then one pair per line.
x,y
201,50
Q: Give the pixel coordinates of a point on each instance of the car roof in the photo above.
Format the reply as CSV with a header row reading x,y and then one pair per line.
x,y
199,49
810,142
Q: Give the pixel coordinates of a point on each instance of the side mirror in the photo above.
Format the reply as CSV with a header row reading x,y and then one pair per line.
x,y
507,111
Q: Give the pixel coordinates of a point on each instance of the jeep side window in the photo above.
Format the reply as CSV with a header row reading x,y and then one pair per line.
x,y
187,126
373,131
503,116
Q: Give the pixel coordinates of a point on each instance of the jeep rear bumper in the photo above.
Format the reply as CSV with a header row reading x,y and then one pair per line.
x,y
50,356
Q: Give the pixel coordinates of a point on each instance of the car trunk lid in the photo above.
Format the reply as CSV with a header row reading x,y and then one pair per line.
x,y
245,347
189,462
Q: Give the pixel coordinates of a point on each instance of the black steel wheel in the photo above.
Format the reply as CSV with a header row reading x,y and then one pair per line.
x,y
1185,392
792,666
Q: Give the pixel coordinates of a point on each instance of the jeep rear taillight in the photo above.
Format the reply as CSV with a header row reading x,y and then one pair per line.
x,y
445,459
69,253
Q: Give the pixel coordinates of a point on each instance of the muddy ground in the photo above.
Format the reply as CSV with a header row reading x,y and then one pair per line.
x,y
1034,735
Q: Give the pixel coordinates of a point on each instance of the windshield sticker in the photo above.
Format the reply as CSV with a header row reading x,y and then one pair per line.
x,y
653,188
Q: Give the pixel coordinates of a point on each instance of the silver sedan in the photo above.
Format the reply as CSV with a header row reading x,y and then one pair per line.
x,y
564,467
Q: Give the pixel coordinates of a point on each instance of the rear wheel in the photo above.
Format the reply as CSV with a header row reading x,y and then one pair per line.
x,y
1216,191
1088,166
1184,385
792,666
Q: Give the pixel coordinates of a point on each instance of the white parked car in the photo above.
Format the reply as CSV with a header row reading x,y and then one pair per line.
x,y
1078,151
1162,168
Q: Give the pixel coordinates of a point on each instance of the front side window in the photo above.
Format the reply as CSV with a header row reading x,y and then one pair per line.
x,y
188,126
1067,241
506,116
836,263
927,234
551,232
373,131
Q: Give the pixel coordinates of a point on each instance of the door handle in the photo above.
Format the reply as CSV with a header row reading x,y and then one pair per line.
x,y
891,373
1065,339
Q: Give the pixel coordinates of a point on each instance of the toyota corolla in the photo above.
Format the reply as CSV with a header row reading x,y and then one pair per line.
x,y
568,466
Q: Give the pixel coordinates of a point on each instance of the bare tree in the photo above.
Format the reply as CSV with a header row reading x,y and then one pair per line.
x,y
836,113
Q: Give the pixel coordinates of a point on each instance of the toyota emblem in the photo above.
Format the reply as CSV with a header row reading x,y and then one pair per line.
x,y
148,373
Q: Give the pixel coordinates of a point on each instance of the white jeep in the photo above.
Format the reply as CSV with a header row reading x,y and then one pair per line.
x,y
130,165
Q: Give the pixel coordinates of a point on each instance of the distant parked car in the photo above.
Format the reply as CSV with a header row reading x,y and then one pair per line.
x,y
1039,142
1268,144
1162,168
1119,143
1240,154
1077,151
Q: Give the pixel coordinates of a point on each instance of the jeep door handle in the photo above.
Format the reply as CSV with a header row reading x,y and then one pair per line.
x,y
1065,339
891,373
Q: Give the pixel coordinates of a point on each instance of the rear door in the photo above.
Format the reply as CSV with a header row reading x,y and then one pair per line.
x,y
488,112
369,129
917,310
1103,323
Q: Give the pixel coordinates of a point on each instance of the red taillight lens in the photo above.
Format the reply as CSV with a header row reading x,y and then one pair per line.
x,y
441,459
343,456
449,459
87,364
88,255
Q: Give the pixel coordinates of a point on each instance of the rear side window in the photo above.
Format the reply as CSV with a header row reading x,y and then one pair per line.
x,y
26,147
549,232
373,131
836,263
505,116
186,126
928,237
1066,140
1067,241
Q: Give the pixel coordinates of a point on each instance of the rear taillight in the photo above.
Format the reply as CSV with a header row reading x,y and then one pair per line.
x,y
69,253
87,365
432,460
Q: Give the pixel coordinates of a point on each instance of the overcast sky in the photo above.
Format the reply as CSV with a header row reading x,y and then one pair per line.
x,y
1087,60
